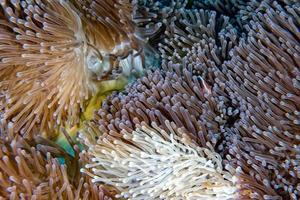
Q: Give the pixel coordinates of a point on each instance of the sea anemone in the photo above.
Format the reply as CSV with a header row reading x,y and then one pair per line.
x,y
160,96
154,17
240,75
263,82
185,90
29,171
217,116
53,60
109,27
152,163
199,40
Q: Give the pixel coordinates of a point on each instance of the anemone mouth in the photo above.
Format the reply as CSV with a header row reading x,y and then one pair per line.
x,y
110,66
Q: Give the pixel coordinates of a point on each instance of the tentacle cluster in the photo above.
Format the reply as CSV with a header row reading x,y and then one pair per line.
x,y
232,83
53,59
29,171
152,163
263,81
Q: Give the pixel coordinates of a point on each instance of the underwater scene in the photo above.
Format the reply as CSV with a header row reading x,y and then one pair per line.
x,y
149,99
